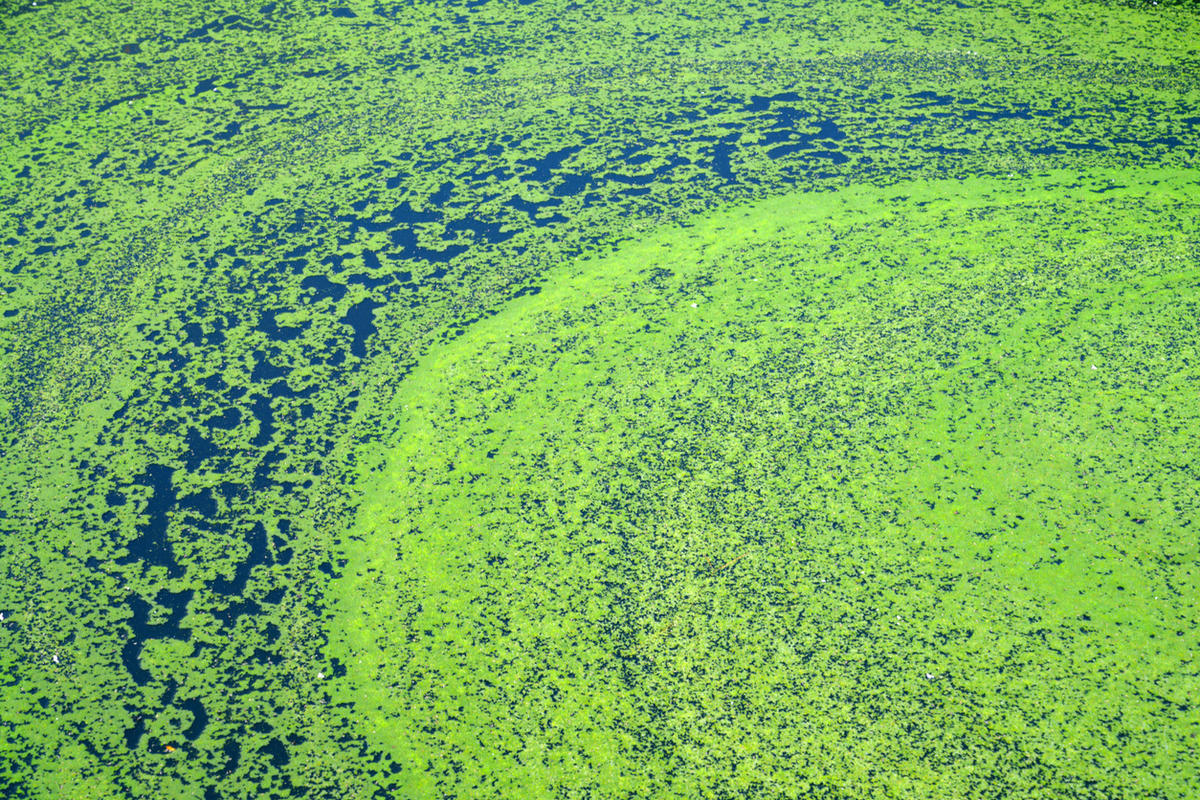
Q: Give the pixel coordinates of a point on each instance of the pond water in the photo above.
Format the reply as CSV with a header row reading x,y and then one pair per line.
x,y
542,399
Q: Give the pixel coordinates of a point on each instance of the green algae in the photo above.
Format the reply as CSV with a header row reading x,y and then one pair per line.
x,y
205,549
775,503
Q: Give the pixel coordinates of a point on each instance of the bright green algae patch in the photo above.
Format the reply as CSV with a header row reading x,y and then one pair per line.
x,y
234,231
876,493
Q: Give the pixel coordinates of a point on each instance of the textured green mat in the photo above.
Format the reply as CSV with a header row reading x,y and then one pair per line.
x,y
506,399
853,491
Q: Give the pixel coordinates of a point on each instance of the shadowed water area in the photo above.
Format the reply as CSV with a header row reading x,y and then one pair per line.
x,y
608,400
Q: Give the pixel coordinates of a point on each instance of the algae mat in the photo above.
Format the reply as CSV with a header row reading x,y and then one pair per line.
x,y
521,399
807,499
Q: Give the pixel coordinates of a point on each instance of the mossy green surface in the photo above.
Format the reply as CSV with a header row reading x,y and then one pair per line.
x,y
599,400
777,504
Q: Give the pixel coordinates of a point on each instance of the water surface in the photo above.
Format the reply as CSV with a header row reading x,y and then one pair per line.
x,y
512,399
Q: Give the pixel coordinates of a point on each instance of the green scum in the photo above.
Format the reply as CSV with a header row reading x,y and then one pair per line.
x,y
513,399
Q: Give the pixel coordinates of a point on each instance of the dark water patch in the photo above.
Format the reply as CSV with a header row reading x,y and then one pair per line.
x,y
535,209
151,545
229,615
227,420
1160,141
322,288
278,753
199,718
280,541
233,754
199,450
946,151
360,317
176,603
543,168
720,158
806,148
1061,147
263,472
410,248
230,130
265,371
371,283
485,232
230,22
193,333
403,214
114,104
268,325
133,735
201,502
256,541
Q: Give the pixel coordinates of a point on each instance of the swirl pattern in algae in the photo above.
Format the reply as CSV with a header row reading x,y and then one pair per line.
x,y
832,495
512,399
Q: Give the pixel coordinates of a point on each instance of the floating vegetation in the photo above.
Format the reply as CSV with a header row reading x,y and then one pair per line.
x,y
518,400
